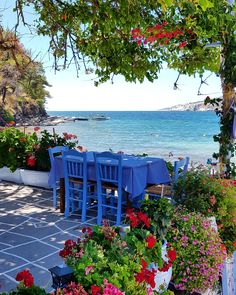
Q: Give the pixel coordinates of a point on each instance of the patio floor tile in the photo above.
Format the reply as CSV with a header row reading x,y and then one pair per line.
x,y
31,228
48,215
12,219
3,246
32,251
8,261
42,277
6,284
59,239
51,261
14,239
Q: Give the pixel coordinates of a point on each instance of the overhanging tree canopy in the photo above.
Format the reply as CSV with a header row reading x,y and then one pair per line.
x,y
135,37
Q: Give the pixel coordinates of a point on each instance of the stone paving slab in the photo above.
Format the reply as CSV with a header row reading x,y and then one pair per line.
x,y
30,228
4,246
50,261
7,283
14,239
59,239
32,233
12,219
8,261
42,277
32,251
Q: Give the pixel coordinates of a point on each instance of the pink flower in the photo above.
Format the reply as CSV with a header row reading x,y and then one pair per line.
x,y
149,291
88,269
184,238
36,129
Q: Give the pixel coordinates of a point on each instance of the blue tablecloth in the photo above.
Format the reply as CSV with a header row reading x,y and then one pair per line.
x,y
137,172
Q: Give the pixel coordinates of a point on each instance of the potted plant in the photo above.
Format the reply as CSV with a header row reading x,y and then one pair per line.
x,y
211,197
102,254
37,163
159,254
201,254
13,146
138,253
26,158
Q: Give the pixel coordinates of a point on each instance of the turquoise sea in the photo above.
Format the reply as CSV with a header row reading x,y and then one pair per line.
x,y
155,133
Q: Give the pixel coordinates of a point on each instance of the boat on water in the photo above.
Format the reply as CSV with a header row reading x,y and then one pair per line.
x,y
99,117
81,119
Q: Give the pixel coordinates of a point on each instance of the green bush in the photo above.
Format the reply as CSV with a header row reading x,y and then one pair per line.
x,y
13,148
212,197
160,211
20,150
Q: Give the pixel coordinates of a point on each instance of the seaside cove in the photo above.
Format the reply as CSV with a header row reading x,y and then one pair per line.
x,y
159,133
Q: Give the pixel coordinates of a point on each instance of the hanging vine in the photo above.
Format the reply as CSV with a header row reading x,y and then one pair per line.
x,y
227,146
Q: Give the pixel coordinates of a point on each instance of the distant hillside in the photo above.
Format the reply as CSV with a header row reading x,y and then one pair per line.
x,y
197,106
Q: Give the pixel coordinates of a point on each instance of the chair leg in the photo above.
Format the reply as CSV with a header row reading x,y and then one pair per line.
x,y
55,197
119,204
84,205
99,217
67,205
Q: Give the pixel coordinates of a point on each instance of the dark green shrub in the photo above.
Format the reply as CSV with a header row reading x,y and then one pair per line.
x,y
212,197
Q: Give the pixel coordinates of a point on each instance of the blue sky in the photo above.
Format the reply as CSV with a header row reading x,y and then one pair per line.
x,y
71,93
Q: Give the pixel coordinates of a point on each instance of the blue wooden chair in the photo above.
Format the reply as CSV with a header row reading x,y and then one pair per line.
x,y
166,190
78,190
56,151
108,168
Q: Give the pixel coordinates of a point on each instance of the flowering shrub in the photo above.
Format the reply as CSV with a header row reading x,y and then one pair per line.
x,y
30,150
160,211
211,197
37,157
102,256
200,252
71,289
14,146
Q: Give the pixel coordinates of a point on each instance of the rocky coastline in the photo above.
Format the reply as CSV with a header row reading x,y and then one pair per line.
x,y
197,106
43,121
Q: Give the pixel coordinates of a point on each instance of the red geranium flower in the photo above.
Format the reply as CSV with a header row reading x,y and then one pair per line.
x,y
171,255
70,243
25,277
151,240
144,218
95,290
31,161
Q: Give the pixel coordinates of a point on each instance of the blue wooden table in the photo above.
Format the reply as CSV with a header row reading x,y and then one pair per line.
x,y
137,172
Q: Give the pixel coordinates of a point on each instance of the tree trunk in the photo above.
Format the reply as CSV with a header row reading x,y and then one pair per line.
x,y
4,92
228,98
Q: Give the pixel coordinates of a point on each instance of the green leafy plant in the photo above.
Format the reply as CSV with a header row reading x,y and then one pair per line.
x,y
201,253
13,145
160,211
103,255
30,151
43,141
211,197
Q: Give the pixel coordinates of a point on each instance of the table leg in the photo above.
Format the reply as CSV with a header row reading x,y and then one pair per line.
x,y
62,195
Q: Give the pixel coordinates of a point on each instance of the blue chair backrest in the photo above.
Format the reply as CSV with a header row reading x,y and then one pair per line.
x,y
108,167
55,151
75,164
180,168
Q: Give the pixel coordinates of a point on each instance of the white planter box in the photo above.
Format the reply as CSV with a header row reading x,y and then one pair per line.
x,y
7,175
35,178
